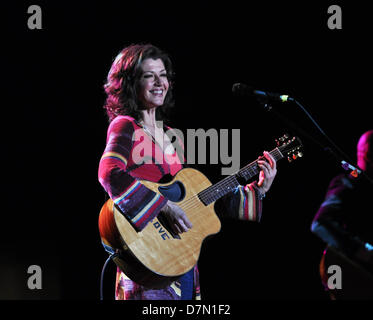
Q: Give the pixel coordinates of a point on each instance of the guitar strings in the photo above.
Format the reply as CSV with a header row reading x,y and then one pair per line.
x,y
207,195
210,194
250,168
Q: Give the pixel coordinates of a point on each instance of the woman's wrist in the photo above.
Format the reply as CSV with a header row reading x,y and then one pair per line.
x,y
261,192
166,207
261,195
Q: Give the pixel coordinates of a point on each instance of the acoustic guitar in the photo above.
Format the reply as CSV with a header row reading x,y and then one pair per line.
x,y
155,256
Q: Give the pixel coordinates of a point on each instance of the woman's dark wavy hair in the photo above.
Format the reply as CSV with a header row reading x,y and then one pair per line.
x,y
122,82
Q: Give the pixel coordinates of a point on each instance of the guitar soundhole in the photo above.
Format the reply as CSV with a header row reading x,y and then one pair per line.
x,y
174,192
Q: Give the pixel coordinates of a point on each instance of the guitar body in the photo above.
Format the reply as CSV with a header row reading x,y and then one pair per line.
x,y
356,279
154,257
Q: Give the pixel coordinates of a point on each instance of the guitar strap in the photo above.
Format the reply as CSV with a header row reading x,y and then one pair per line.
x,y
186,280
187,285
108,249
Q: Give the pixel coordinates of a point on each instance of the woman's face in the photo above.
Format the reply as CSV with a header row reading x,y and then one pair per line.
x,y
153,83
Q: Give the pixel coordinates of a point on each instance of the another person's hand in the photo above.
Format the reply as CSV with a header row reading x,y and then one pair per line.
x,y
268,172
177,218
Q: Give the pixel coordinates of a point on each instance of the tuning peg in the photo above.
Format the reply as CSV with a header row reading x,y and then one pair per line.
x,y
278,142
300,154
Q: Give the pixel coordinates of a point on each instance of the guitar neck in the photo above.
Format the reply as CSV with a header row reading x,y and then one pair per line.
x,y
228,184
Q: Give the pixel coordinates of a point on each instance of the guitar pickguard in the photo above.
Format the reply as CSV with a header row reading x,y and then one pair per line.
x,y
175,192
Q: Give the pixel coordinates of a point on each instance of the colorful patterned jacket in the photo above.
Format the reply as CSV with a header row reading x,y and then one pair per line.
x,y
120,169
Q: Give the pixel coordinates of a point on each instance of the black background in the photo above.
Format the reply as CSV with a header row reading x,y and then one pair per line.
x,y
54,131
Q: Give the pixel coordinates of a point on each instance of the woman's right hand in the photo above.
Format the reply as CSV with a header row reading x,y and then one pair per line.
x,y
177,218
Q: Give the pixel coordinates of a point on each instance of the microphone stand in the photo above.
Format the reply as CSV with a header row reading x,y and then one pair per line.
x,y
337,153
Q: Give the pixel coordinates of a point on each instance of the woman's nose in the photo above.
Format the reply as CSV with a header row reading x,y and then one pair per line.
x,y
157,80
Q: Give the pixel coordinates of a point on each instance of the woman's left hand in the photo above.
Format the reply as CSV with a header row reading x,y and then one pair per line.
x,y
268,172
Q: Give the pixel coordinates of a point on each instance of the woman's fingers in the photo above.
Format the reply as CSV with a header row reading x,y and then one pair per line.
x,y
182,225
261,179
265,166
178,218
271,160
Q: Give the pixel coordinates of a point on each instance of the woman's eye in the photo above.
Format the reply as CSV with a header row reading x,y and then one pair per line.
x,y
149,75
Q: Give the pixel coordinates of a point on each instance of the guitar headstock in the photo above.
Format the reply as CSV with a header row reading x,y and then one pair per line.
x,y
290,147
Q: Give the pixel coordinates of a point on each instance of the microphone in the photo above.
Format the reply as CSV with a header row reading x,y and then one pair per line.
x,y
241,90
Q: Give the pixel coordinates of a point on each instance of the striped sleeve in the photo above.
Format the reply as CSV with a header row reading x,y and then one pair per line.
x,y
242,204
139,204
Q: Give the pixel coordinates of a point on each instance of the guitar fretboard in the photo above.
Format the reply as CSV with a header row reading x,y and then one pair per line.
x,y
228,184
